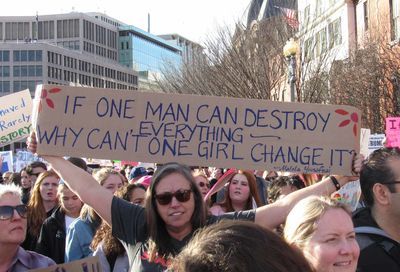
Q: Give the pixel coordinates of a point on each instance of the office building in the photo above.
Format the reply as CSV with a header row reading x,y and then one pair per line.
x,y
74,49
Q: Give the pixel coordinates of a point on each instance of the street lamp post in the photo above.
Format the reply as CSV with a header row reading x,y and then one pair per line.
x,y
289,51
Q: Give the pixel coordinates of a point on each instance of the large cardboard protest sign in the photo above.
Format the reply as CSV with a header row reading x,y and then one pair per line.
x,y
90,264
15,117
195,130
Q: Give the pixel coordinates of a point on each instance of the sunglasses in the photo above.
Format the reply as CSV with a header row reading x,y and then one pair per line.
x,y
35,174
166,198
7,212
392,182
202,184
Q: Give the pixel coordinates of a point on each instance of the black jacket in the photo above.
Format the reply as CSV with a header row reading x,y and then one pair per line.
x,y
51,240
378,251
31,240
26,195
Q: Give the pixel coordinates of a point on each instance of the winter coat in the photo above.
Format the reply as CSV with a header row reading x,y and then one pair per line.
x,y
378,251
51,240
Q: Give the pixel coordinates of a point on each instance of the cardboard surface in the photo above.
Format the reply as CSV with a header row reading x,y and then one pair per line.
x,y
195,130
15,117
90,264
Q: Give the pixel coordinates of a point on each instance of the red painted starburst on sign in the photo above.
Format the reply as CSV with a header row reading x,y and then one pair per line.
x,y
353,118
45,97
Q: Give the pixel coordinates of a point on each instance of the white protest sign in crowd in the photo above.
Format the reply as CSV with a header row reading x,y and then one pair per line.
x,y
15,117
195,130
6,160
375,142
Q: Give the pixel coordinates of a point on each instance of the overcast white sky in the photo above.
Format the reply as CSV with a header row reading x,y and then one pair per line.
x,y
189,18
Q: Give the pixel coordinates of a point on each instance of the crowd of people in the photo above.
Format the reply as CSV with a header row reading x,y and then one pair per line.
x,y
181,218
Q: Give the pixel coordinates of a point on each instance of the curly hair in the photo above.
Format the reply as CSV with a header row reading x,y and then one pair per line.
x,y
112,246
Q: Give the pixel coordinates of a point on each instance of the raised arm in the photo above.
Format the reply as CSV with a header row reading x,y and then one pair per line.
x,y
84,185
272,215
80,182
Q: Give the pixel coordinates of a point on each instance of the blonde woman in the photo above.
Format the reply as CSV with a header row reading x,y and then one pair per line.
x,y
51,241
322,228
80,233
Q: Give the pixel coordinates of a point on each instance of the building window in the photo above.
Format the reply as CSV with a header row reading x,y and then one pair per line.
x,y
31,70
24,55
24,71
319,8
38,55
4,71
39,70
365,9
321,42
4,86
308,50
4,56
395,20
16,71
31,55
335,33
17,55
306,15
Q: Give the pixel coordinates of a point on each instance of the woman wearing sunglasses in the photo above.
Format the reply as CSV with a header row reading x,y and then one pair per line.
x,y
174,210
203,183
12,232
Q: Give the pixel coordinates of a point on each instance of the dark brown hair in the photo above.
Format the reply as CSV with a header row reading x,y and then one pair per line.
x,y
377,169
159,239
239,246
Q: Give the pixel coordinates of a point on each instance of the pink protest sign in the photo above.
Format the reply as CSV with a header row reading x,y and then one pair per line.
x,y
393,131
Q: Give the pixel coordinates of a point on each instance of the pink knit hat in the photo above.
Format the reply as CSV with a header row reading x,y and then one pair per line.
x,y
145,181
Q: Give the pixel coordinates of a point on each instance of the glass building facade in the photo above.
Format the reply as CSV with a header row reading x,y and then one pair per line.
x,y
143,51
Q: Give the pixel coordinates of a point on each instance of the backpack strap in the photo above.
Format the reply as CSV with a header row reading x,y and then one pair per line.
x,y
385,242
371,230
365,240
